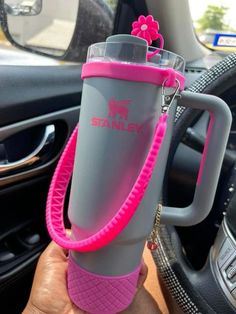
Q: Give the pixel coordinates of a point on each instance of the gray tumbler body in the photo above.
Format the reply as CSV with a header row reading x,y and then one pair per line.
x,y
117,124
125,86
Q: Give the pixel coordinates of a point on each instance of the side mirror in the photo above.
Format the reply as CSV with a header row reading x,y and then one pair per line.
x,y
23,7
57,28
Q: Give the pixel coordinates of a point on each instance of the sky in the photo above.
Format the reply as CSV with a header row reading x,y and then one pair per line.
x,y
199,6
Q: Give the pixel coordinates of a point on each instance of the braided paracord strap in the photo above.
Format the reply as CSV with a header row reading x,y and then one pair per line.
x,y
58,188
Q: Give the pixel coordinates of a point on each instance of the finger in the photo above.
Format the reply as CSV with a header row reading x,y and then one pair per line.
x,y
55,252
68,232
142,275
144,268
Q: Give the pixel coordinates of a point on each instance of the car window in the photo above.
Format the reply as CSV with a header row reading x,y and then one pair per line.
x,y
215,23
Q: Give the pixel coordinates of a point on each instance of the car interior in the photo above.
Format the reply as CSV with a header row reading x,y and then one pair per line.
x,y
40,108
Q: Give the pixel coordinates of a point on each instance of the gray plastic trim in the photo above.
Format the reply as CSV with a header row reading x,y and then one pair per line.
x,y
223,234
177,17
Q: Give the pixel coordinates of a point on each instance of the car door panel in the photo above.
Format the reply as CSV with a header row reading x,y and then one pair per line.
x,y
63,121
33,101
27,91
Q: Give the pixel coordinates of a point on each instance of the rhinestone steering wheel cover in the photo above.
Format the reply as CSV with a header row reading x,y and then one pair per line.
x,y
216,81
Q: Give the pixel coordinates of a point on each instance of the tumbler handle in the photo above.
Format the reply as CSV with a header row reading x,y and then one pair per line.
x,y
211,162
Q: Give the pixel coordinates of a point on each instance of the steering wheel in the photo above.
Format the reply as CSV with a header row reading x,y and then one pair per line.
x,y
210,288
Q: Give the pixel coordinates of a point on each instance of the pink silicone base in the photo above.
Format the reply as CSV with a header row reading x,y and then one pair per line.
x,y
100,294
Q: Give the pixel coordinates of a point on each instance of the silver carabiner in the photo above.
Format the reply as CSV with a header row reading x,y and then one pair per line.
x,y
167,99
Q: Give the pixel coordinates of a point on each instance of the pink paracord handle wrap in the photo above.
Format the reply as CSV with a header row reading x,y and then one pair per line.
x,y
58,188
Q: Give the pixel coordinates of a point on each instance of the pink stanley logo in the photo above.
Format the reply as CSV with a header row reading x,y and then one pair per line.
x,y
117,117
118,108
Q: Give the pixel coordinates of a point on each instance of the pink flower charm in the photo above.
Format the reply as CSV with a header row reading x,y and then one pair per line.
x,y
146,28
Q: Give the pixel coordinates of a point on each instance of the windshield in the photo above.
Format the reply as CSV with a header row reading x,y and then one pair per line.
x,y
215,23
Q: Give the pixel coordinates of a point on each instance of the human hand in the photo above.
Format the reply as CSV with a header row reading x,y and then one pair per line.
x,y
49,290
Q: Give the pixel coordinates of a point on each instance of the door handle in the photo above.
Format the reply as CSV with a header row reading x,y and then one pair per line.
x,y
44,146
